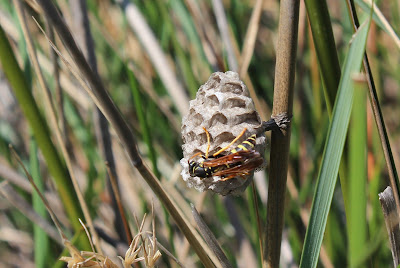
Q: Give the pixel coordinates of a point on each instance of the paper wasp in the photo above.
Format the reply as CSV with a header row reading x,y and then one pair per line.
x,y
239,162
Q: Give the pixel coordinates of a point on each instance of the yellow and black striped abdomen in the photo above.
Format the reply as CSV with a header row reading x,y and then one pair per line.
x,y
246,145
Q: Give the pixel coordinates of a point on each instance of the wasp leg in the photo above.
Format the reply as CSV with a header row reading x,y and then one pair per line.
x,y
230,144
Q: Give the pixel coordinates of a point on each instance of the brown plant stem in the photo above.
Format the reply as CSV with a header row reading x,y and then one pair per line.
x,y
389,209
280,140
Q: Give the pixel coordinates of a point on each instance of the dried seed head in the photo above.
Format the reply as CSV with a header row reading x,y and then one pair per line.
x,y
222,106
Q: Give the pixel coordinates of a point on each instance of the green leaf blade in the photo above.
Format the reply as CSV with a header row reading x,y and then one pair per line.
x,y
333,151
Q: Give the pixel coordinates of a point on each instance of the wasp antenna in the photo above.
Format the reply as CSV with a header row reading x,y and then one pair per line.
x,y
232,142
208,141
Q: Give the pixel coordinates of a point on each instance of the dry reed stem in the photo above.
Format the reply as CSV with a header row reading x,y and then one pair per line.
x,y
250,38
79,96
85,41
384,21
53,119
210,238
45,202
224,31
123,131
390,213
280,140
14,177
25,208
159,59
209,39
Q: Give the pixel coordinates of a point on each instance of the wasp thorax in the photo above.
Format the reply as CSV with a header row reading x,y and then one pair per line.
x,y
220,113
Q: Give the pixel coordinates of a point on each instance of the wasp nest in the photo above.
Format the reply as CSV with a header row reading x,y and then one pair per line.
x,y
224,108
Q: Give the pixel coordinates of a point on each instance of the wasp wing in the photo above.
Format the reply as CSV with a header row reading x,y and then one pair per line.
x,y
240,170
232,159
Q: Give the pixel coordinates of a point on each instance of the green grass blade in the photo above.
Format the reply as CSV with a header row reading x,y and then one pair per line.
x,y
357,218
328,62
378,18
42,135
40,238
333,151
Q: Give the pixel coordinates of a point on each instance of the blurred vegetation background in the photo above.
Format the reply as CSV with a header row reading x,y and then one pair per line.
x,y
152,56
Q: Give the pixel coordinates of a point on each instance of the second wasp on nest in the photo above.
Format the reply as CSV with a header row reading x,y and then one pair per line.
x,y
222,141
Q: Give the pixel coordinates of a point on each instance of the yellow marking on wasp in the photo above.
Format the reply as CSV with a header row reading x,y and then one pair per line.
x,y
249,143
240,146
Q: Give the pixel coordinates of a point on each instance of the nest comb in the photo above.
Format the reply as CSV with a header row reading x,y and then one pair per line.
x,y
222,106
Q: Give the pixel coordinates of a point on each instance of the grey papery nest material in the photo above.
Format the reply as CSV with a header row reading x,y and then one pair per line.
x,y
222,106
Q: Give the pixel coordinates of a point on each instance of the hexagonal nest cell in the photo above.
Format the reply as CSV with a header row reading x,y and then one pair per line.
x,y
224,108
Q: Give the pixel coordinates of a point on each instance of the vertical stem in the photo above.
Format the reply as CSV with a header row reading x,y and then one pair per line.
x,y
280,140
